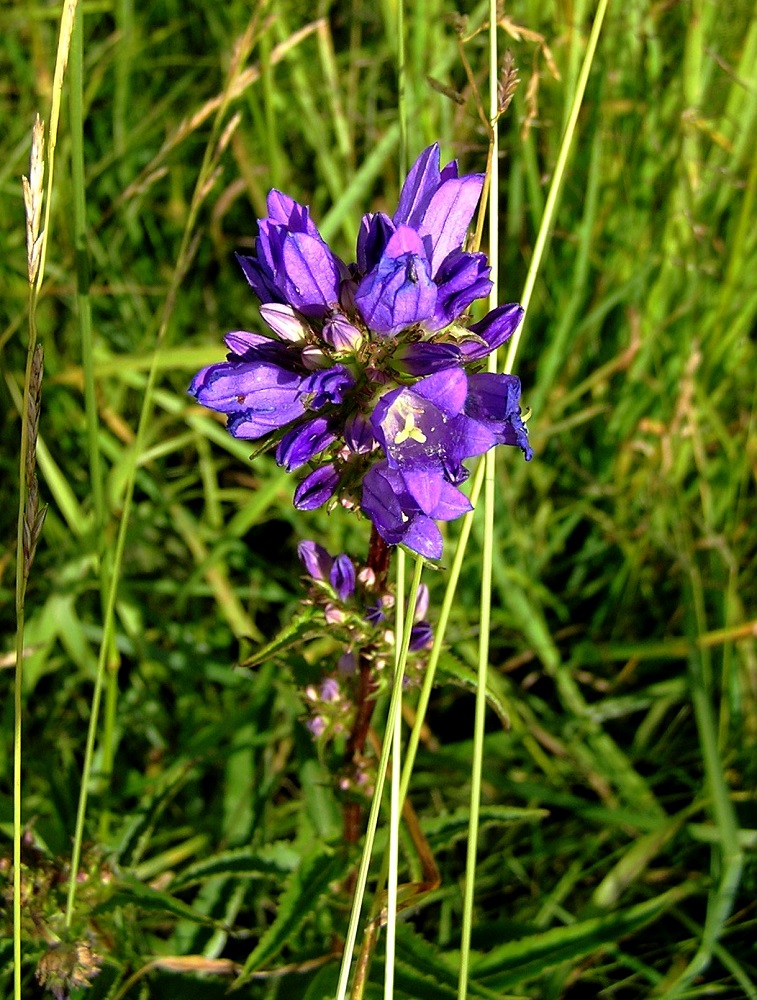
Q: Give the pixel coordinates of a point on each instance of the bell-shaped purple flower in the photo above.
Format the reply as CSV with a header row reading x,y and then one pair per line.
x,y
317,488
342,577
494,330
424,428
315,559
398,516
461,279
293,264
261,396
399,291
305,441
494,401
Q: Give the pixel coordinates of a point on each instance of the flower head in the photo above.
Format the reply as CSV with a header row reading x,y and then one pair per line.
x,y
365,374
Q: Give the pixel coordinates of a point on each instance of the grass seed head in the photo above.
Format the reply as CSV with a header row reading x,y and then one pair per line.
x,y
32,186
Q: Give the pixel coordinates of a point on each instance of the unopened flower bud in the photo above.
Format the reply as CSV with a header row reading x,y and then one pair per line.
x,y
284,322
340,334
313,358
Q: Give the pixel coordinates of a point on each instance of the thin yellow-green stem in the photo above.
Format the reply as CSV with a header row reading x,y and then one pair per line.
x,y
84,316
186,253
488,543
19,671
557,177
395,807
478,476
402,89
61,59
392,721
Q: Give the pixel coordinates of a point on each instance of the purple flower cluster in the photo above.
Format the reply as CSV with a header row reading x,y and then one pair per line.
x,y
366,375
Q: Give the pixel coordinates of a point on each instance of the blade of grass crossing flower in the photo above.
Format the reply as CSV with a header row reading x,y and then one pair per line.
x,y
395,807
478,477
557,177
439,633
370,834
486,564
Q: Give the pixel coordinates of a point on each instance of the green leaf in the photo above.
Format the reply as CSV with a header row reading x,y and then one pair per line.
x,y
465,677
423,966
133,893
518,961
443,831
139,828
288,637
272,859
296,904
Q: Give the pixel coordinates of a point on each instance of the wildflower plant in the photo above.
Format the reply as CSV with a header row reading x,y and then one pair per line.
x,y
370,375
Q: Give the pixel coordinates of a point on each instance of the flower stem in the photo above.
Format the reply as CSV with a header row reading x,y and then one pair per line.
x,y
379,556
488,544
391,722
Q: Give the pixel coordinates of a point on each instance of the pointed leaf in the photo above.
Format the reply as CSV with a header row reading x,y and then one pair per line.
x,y
464,676
272,859
296,904
289,636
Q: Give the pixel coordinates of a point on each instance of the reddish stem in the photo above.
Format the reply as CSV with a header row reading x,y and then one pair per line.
x,y
379,555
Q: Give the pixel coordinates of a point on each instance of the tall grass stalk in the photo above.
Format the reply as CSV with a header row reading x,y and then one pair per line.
x,y
395,805
727,870
392,721
556,184
84,317
26,539
488,539
206,178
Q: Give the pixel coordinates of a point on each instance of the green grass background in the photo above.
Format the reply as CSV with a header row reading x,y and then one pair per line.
x,y
624,618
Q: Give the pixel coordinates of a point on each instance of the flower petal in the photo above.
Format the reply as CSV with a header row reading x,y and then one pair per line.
x,y
494,330
448,215
399,291
316,488
303,442
309,276
315,559
494,401
421,183
375,232
423,358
